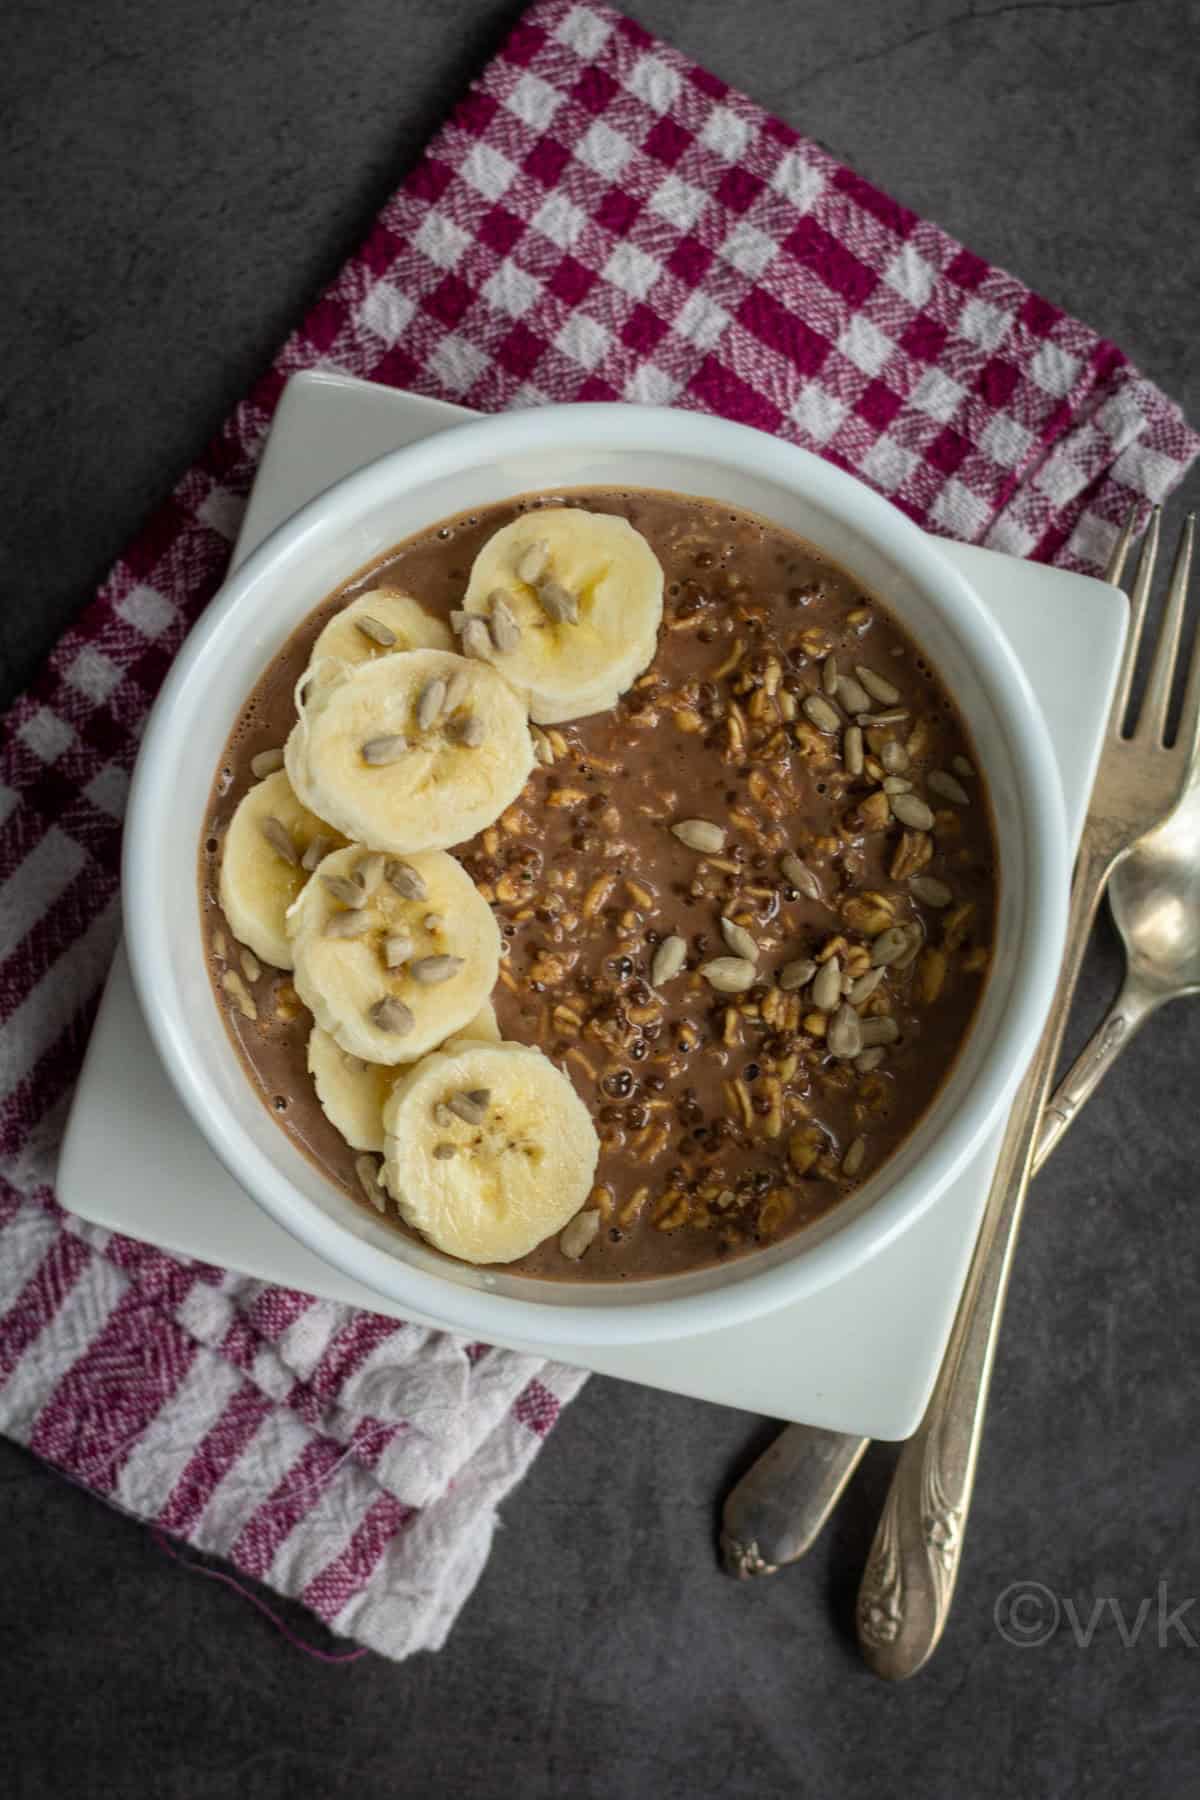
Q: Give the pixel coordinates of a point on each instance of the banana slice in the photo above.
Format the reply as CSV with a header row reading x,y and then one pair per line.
x,y
392,957
352,1092
262,870
488,1149
412,751
572,602
373,625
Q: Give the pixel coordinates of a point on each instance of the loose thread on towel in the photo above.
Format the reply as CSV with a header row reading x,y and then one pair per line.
x,y
298,1643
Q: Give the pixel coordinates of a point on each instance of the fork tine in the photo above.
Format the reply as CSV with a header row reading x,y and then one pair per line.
x,y
1152,721
1120,550
1137,615
1187,738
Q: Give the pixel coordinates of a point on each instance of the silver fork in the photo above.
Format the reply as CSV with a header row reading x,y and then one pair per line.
x,y
776,1511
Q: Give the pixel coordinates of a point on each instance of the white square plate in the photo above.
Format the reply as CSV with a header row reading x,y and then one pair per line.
x,y
858,1356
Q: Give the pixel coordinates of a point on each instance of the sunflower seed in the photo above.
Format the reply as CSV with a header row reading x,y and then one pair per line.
x,y
931,891
829,676
862,989
866,1060
280,840
579,1234
797,872
797,974
701,835
876,686
915,940
430,701
506,633
459,620
347,925
367,1170
962,767
442,1115
317,851
470,1108
558,603
827,985
821,713
392,1015
739,940
533,562
852,1162
348,892
432,970
852,749
378,752
729,974
376,630
879,1031
894,716
853,696
266,763
433,922
470,731
443,1152
888,947
368,870
939,782
541,746
397,949
844,1036
911,810
669,958
894,757
897,784
475,639
456,691
404,878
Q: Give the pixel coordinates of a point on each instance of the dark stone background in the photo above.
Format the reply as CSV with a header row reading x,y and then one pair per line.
x,y
177,182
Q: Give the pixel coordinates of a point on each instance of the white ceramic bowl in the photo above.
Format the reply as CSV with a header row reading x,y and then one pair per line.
x,y
469,467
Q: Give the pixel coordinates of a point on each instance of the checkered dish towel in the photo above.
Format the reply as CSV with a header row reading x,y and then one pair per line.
x,y
600,220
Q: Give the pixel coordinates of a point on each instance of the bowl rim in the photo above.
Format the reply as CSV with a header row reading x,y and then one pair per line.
x,y
748,1292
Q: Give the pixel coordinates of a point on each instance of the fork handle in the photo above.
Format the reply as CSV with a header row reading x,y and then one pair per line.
x,y
1125,1017
912,1569
776,1512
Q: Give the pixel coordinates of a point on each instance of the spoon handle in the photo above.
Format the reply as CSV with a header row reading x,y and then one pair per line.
x,y
1125,1017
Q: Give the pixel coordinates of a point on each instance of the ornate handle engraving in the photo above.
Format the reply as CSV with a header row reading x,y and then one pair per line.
x,y
1130,1010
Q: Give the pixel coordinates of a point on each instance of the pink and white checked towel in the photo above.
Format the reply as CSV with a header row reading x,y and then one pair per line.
x,y
600,219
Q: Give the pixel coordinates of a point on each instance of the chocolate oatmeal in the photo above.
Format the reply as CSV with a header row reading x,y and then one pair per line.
x,y
748,909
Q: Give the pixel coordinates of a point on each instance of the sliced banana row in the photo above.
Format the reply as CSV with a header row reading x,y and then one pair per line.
x,y
567,605
392,956
335,867
488,1149
411,751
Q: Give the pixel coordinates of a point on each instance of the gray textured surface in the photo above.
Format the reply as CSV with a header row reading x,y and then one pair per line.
x,y
178,181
